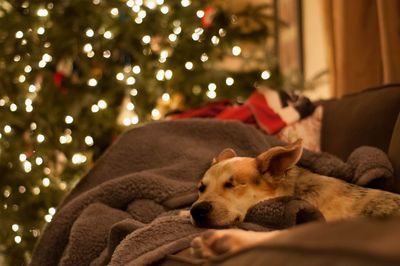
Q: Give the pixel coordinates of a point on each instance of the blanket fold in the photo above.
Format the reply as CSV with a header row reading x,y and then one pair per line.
x,y
125,210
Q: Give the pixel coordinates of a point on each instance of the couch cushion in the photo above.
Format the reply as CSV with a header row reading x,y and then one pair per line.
x,y
365,118
394,152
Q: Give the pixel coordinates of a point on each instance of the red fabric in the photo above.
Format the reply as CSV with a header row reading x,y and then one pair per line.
x,y
267,119
210,110
254,111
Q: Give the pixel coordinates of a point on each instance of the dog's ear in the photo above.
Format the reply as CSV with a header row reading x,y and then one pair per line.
x,y
278,159
223,155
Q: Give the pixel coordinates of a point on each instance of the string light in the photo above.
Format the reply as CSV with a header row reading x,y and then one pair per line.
x,y
215,40
95,108
151,4
229,81
17,239
165,97
212,86
19,34
27,166
130,81
126,121
21,78
108,35
92,82
42,12
189,65
28,102
200,13
138,20
87,48
47,58
185,3
236,50
40,138
130,3
155,114
69,119
90,54
7,129
265,75
52,210
40,31
168,74
146,39
21,189
135,119
204,57
102,104
114,11
89,141
36,191
65,139
22,157
164,10
78,158
130,106
13,107
172,37
133,92
142,14
107,54
89,33
177,30
15,227
160,75
33,126
42,63
120,76
211,94
136,69
46,182
28,68
39,161
6,193
48,218
32,88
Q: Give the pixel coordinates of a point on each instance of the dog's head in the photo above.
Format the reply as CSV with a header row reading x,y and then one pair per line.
x,y
233,184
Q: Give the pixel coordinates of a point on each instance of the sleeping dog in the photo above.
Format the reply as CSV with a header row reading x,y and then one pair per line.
x,y
234,184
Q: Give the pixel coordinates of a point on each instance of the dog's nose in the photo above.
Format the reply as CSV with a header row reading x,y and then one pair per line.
x,y
200,211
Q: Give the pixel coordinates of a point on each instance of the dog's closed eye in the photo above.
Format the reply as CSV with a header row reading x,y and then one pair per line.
x,y
228,184
202,187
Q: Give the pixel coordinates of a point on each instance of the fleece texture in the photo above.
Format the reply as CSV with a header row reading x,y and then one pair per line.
x,y
125,211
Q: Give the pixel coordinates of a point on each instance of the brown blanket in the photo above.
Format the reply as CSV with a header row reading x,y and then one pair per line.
x,y
124,211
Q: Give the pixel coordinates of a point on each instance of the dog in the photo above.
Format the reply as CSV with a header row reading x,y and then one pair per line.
x,y
234,184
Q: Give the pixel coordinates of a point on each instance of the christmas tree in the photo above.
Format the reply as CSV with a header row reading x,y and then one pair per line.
x,y
74,74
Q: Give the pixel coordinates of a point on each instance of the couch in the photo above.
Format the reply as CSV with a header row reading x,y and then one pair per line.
x,y
125,211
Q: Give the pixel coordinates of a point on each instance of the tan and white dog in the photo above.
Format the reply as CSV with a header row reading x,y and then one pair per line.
x,y
234,184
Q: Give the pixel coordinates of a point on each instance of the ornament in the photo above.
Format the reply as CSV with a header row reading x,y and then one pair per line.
x,y
65,67
209,15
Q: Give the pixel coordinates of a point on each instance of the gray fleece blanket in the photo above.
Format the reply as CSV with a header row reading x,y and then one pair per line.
x,y
125,211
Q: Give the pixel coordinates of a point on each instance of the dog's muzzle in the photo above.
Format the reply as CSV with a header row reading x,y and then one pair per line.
x,y
200,212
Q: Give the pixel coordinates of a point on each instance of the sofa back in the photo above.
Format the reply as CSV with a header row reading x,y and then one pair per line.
x,y
365,118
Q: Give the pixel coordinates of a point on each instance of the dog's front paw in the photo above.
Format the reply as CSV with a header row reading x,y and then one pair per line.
x,y
217,242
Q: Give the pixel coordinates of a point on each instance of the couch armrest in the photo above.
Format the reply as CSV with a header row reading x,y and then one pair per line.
x,y
394,151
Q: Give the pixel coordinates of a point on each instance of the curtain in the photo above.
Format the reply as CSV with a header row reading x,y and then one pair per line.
x,y
363,40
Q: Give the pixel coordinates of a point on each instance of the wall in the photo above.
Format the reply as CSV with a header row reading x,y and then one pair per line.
x,y
315,54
